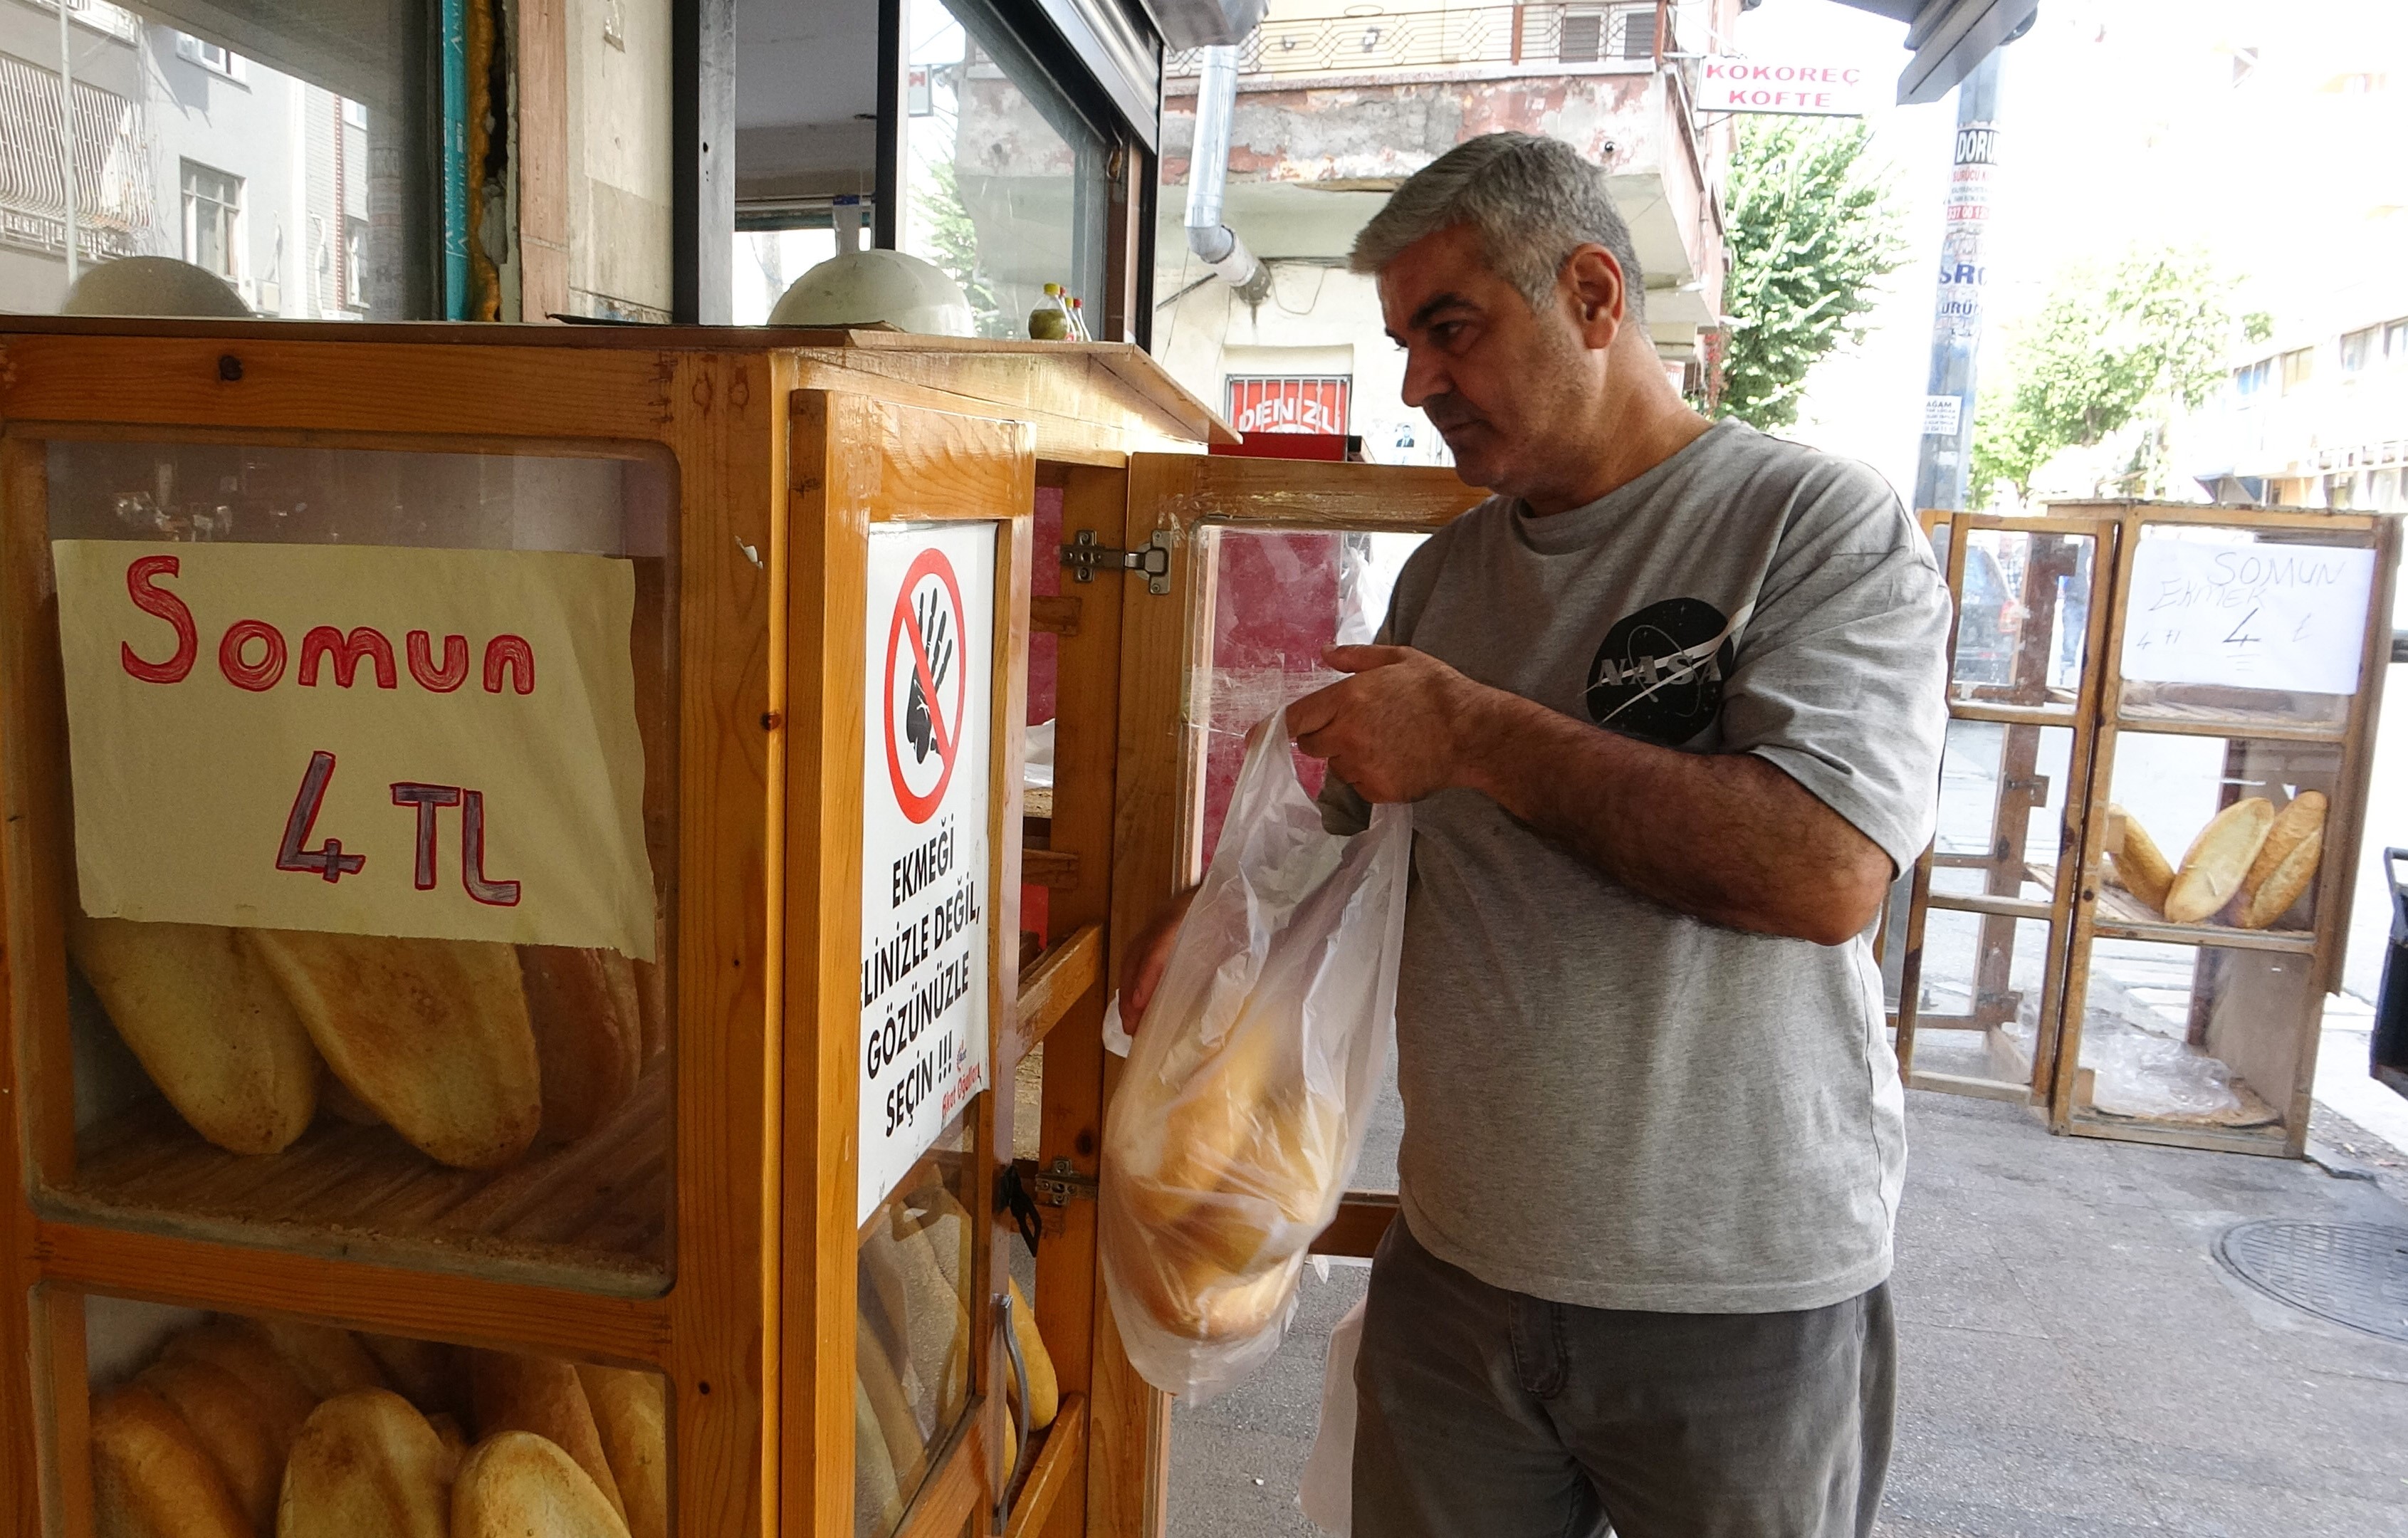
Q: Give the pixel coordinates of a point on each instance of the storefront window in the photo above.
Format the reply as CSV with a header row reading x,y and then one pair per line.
x,y
280,151
1004,183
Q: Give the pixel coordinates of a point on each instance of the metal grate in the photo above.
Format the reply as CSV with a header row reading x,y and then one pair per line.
x,y
2352,1273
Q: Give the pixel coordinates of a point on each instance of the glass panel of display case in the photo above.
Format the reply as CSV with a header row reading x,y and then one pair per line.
x,y
233,1423
2201,1036
2022,616
386,967
2003,791
911,1348
2217,833
1280,597
1980,1002
2253,626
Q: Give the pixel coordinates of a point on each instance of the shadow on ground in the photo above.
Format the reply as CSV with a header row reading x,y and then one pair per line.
x,y
2073,1361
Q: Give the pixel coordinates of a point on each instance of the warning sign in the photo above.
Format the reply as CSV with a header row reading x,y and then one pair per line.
x,y
926,909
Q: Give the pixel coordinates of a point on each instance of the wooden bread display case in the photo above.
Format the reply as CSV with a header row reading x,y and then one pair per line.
x,y
2160,739
519,986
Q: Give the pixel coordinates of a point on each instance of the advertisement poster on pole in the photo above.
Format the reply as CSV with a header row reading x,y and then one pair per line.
x,y
925,910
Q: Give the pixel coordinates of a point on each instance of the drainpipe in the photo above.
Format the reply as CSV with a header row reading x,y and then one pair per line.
x,y
1208,173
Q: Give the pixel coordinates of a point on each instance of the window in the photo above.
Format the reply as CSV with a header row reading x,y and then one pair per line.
x,y
2357,347
2395,342
355,263
2250,379
1582,40
1003,182
211,57
212,220
2299,366
355,114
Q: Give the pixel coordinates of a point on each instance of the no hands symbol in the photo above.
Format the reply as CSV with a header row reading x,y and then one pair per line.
x,y
927,692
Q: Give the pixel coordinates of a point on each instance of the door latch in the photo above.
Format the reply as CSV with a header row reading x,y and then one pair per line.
x,y
1085,556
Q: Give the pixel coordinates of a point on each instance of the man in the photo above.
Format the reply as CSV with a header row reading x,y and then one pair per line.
x,y
1668,708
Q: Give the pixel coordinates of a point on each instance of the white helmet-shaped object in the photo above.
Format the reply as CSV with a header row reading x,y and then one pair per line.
x,y
863,287
153,285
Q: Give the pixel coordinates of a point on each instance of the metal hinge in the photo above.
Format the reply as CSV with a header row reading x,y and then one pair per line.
x,y
1059,1184
1086,558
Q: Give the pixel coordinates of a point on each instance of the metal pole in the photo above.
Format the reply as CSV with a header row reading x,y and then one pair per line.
x,y
1944,465
67,131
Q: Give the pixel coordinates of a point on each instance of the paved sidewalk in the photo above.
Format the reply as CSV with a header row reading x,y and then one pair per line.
x,y
2075,1362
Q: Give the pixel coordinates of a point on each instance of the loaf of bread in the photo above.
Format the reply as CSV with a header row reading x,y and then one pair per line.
x,y
238,1346
1044,1388
518,1485
367,1465
589,1033
209,1024
898,1423
227,1420
2285,863
2217,861
152,1478
631,1410
327,1360
874,1487
1221,1167
428,1374
2139,864
545,1396
432,1034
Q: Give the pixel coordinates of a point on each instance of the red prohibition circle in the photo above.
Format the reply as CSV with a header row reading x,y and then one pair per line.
x,y
919,809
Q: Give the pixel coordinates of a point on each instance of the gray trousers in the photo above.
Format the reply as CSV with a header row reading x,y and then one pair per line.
x,y
1491,1413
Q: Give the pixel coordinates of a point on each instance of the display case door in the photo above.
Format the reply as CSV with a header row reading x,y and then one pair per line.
x,y
1262,562
1983,964
906,654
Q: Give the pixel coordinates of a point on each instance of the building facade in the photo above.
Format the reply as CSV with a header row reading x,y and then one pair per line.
x,y
1336,106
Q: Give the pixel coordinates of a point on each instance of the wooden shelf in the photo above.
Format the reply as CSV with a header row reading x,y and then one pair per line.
x,y
593,1214
2203,721
2120,916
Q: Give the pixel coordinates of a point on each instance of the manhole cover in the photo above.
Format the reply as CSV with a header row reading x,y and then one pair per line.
x,y
2352,1273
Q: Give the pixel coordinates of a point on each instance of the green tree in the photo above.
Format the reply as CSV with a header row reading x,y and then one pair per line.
x,y
953,245
2144,339
1810,230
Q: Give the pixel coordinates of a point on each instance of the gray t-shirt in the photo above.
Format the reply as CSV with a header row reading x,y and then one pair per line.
x,y
1608,1102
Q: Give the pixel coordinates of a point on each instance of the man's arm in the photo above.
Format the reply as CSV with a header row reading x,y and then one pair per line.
x,y
1728,838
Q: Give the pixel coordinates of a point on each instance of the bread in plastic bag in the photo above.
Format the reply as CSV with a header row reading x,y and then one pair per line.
x,y
1236,1127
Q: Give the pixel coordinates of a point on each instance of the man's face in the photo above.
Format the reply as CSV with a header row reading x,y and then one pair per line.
x,y
1506,388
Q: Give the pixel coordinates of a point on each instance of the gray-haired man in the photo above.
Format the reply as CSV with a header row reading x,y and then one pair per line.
x,y
1668,708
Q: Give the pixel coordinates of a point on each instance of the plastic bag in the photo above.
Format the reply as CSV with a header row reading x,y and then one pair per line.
x,y
1234,1130
1326,1491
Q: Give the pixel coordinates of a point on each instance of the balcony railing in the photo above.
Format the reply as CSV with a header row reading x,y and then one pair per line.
x,y
113,190
1527,35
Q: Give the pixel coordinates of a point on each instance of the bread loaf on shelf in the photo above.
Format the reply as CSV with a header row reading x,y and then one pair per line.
x,y
2138,864
631,1410
432,1034
518,1483
589,1033
542,1394
874,1489
1044,1388
367,1465
226,1419
150,1476
327,1360
209,1024
238,1346
2217,861
2285,863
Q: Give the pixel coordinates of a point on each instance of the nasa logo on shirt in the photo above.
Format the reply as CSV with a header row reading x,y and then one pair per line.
x,y
1659,672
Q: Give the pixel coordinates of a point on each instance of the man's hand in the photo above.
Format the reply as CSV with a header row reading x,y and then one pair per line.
x,y
1403,727
1141,971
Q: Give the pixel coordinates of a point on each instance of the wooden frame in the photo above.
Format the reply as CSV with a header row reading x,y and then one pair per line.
x,y
787,447
2083,908
2022,714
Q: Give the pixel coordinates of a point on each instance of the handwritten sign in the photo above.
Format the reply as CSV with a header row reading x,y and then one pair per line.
x,y
437,743
2254,616
925,910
